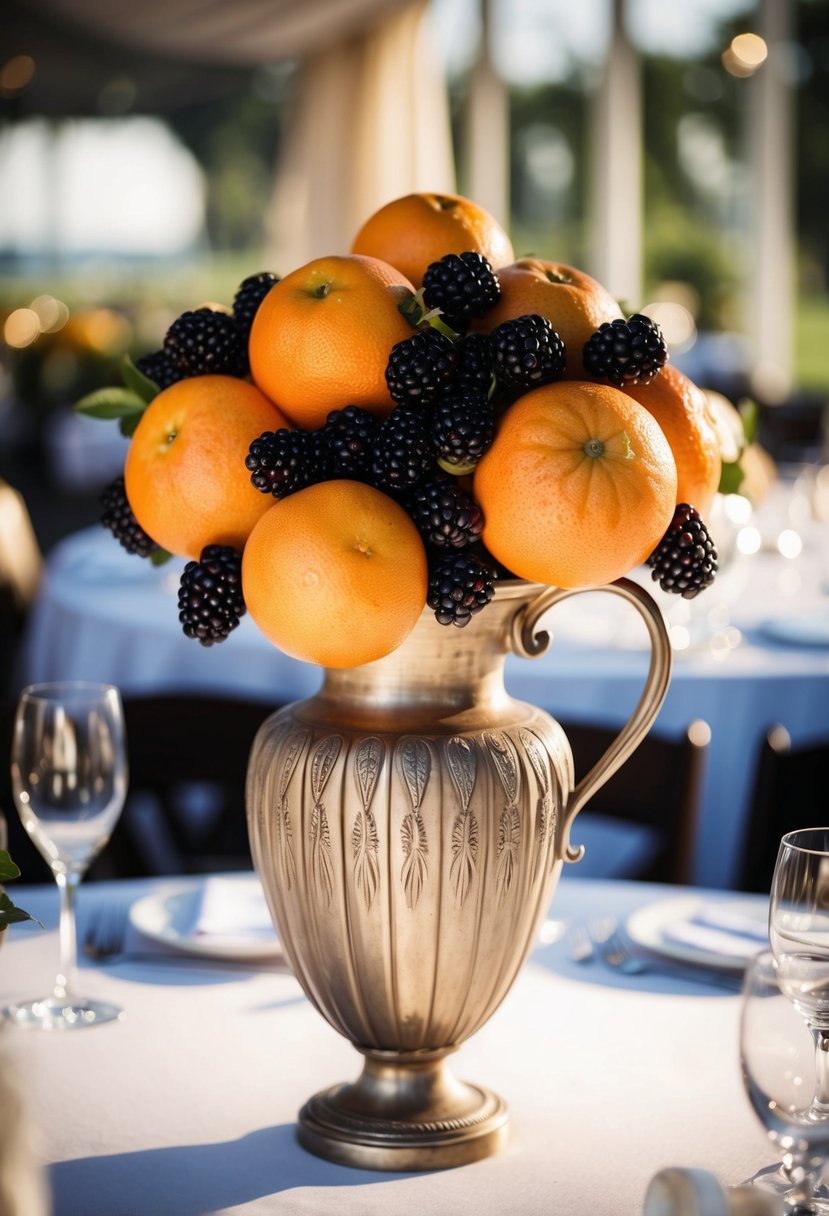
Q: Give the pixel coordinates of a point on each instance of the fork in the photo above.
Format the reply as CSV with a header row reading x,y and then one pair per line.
x,y
618,955
107,932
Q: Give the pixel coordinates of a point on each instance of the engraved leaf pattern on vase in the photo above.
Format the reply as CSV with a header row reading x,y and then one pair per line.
x,y
322,762
505,759
416,763
462,764
294,747
364,838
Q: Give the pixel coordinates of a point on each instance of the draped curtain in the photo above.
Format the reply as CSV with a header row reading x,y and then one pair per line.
x,y
369,119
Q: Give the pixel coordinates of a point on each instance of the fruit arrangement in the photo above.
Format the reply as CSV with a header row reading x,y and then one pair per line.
x,y
406,425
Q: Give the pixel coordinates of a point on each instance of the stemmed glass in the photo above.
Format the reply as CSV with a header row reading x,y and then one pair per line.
x,y
783,1078
69,777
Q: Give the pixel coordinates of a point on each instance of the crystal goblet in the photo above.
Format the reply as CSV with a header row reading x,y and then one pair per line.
x,y
69,778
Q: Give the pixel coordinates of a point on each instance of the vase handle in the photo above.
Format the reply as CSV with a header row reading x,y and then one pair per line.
x,y
529,642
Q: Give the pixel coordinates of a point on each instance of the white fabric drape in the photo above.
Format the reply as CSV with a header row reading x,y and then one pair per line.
x,y
371,122
225,31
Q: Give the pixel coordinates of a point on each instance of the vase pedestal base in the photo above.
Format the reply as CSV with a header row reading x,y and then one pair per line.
x,y
405,1112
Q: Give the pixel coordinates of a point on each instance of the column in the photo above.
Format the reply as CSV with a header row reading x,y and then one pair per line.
x,y
616,170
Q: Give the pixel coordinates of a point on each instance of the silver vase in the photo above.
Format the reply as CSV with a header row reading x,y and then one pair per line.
x,y
409,824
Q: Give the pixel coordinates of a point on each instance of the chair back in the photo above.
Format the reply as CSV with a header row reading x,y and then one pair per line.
x,y
185,810
655,795
789,792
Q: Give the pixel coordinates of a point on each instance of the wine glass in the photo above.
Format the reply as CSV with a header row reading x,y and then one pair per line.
x,y
69,777
783,1078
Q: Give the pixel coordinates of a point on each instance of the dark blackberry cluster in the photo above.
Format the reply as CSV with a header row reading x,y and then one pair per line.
x,y
626,352
463,286
474,374
685,560
160,368
420,367
284,461
463,427
249,296
349,437
402,451
445,515
459,586
123,525
526,352
210,599
207,342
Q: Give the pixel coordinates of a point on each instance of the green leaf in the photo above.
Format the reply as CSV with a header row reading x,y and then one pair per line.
x,y
111,403
128,423
731,478
750,414
10,915
8,869
135,380
159,556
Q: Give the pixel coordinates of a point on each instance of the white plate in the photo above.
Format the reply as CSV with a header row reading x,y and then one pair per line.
x,y
169,916
810,629
650,925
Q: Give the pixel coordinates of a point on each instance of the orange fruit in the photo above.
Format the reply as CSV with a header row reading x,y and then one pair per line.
x,y
335,574
185,472
322,336
578,487
574,303
683,412
417,229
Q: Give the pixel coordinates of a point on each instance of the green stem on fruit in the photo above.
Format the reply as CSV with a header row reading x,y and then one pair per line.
x,y
416,313
594,448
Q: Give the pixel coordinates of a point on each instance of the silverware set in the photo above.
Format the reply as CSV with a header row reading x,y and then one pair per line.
x,y
105,943
603,941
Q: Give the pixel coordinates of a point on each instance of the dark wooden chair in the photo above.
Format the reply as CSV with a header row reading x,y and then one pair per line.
x,y
652,802
789,791
185,811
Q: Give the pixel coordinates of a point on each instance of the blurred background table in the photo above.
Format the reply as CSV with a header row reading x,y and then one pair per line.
x,y
104,615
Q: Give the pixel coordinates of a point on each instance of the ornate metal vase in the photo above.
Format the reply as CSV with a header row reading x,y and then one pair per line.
x,y
409,824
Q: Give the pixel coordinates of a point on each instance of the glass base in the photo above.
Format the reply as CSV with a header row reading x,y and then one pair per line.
x,y
53,1013
774,1178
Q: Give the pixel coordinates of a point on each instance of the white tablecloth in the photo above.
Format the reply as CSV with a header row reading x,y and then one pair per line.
x,y
187,1106
104,615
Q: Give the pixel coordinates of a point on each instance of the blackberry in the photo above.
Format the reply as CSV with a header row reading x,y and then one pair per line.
x,y
282,462
626,352
526,352
685,560
206,342
210,601
445,515
123,525
402,451
463,427
462,286
160,368
420,367
250,295
459,586
474,364
349,436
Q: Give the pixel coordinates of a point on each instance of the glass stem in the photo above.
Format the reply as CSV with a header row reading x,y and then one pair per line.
x,y
820,1102
65,981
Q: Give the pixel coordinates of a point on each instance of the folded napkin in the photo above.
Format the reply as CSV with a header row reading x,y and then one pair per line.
x,y
720,929
232,909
